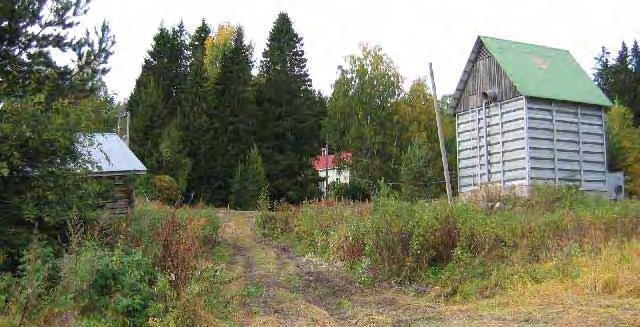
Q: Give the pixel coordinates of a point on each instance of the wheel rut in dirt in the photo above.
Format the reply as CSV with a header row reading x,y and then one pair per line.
x,y
304,291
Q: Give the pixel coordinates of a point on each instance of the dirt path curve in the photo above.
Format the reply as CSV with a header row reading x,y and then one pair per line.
x,y
281,289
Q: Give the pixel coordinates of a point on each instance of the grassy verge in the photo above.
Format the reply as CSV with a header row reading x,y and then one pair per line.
x,y
157,267
469,251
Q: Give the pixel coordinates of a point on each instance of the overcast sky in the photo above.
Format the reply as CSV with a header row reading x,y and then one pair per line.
x,y
411,32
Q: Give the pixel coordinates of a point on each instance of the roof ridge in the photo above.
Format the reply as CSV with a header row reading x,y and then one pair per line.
x,y
523,43
102,133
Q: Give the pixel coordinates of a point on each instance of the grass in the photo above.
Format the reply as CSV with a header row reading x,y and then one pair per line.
x,y
253,290
557,258
470,251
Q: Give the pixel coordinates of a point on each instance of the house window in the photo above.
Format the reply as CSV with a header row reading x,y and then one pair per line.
x,y
118,180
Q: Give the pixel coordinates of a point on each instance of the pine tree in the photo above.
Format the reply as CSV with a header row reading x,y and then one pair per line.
x,y
30,30
249,182
290,114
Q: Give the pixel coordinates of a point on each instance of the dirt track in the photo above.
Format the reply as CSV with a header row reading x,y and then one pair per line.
x,y
281,289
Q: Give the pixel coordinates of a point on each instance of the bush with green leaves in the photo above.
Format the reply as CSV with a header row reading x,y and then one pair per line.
x,y
158,188
43,175
44,106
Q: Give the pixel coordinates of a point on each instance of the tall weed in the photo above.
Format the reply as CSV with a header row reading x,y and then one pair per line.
x,y
469,249
150,269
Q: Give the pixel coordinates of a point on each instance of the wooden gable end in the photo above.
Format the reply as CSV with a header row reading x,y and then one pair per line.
x,y
485,74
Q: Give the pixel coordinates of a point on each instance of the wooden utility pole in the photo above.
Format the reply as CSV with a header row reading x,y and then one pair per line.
x,y
443,151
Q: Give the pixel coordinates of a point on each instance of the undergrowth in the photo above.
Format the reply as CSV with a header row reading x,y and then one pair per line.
x,y
155,267
471,250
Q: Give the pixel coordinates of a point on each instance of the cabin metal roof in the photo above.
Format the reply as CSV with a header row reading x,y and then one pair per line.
x,y
538,71
110,155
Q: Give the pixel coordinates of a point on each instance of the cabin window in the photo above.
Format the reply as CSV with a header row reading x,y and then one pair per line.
x,y
118,180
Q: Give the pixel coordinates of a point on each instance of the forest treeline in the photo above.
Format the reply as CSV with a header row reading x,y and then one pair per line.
x,y
197,110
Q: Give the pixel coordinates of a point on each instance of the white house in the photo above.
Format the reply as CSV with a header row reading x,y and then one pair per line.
x,y
332,169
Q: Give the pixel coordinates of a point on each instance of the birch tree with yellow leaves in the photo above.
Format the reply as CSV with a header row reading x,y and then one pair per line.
x,y
623,146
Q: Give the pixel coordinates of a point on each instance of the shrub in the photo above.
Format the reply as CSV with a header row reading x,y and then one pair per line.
x,y
42,171
147,274
276,223
158,187
354,191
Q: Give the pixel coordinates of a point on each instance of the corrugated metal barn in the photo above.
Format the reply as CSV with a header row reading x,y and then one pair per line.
x,y
528,114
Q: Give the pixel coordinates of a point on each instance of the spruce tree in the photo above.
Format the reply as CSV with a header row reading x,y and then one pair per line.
x,y
622,84
620,78
197,112
290,114
232,134
157,95
602,75
249,182
634,101
145,131
634,57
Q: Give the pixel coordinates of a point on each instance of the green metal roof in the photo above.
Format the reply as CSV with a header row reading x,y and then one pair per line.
x,y
544,72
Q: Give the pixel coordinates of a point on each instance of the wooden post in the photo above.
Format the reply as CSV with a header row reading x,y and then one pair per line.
x,y
443,151
128,123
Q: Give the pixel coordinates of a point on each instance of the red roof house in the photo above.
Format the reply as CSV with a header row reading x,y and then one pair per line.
x,y
328,161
